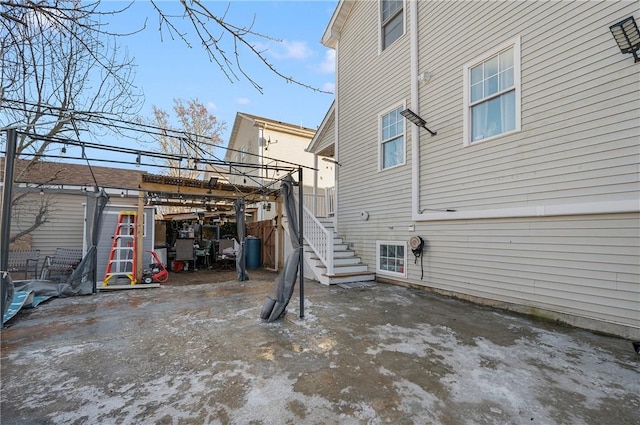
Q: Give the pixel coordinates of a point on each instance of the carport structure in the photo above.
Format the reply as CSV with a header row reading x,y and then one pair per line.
x,y
216,190
214,193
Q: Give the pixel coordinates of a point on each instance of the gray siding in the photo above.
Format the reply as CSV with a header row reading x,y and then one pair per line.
x,y
583,265
579,117
578,144
362,186
64,228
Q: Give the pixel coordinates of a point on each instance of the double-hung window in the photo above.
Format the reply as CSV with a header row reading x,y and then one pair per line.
x,y
392,21
391,139
492,94
391,258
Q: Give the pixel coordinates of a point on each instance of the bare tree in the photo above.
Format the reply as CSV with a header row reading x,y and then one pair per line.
x,y
58,69
210,31
201,131
63,74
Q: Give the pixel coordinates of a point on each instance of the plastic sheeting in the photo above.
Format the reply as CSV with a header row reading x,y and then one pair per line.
x,y
275,305
7,291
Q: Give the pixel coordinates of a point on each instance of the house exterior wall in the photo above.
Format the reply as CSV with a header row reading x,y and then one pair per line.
x,y
579,134
64,228
269,143
291,148
578,146
327,140
247,137
362,187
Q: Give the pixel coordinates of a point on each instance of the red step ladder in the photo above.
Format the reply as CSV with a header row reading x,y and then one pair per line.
x,y
122,259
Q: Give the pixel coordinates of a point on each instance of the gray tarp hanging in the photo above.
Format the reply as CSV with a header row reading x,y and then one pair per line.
x,y
241,254
7,292
275,304
83,279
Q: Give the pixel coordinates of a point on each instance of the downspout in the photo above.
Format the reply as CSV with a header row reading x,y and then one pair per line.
x,y
262,171
336,130
415,106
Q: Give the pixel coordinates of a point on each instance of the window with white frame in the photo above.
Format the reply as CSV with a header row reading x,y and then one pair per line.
x,y
391,258
391,139
392,21
492,94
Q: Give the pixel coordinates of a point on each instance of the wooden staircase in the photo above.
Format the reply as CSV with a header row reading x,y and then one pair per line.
x,y
347,267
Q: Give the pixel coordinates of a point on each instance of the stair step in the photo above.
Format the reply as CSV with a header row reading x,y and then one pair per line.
x,y
337,253
348,277
349,268
339,260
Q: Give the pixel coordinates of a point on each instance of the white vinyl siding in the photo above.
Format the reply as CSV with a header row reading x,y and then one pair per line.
x,y
392,139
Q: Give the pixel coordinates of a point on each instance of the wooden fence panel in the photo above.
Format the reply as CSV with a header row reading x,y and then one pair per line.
x,y
267,234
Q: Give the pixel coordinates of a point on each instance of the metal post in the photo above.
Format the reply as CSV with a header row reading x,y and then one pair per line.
x,y
301,239
7,190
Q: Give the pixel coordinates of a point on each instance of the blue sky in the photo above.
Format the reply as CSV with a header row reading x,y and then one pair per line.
x,y
168,69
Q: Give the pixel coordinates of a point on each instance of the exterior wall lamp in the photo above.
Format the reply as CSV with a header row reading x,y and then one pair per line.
x,y
627,36
332,161
414,118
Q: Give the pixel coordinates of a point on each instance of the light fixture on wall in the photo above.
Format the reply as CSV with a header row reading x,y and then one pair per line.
x,y
627,36
414,118
268,142
332,161
424,77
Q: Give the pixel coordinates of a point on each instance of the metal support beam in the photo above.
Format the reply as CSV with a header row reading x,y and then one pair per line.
x,y
7,190
140,238
301,239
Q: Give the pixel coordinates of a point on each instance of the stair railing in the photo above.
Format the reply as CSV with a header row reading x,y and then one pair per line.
x,y
319,239
329,201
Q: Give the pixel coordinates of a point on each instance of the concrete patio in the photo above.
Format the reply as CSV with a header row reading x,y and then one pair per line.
x,y
199,354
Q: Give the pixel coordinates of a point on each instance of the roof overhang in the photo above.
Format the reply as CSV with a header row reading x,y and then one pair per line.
x,y
334,29
316,142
